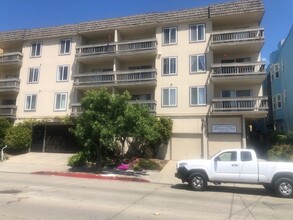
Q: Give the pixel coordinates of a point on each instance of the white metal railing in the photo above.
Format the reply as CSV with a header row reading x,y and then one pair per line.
x,y
77,109
231,69
11,57
129,46
237,36
115,77
6,84
8,110
151,104
240,104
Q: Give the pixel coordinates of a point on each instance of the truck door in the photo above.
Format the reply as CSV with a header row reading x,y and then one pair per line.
x,y
226,167
248,168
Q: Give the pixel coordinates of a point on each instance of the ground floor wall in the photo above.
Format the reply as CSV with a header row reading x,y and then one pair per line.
x,y
201,137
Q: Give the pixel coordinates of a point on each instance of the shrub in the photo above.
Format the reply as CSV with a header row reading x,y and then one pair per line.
x,y
146,164
77,160
19,137
4,126
281,152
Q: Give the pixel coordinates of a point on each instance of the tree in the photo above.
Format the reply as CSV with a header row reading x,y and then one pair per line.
x,y
4,126
19,137
109,122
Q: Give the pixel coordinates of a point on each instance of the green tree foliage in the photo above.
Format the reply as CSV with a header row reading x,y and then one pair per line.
x,y
281,146
19,137
109,122
4,126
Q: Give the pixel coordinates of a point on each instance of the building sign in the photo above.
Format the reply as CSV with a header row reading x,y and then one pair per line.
x,y
224,128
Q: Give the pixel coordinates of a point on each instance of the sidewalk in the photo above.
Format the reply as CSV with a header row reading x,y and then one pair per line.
x,y
56,164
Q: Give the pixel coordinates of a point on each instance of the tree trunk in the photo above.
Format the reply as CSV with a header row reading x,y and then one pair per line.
x,y
99,161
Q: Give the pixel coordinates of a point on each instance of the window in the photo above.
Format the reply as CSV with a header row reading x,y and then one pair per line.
x,y
33,75
197,32
197,63
60,101
198,95
169,97
65,46
30,102
279,101
227,156
277,71
62,73
170,35
246,156
169,66
36,49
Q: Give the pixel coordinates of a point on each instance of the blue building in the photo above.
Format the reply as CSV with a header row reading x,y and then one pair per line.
x,y
280,71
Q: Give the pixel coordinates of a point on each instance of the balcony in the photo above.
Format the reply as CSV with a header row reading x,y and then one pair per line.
x,y
114,49
8,111
118,78
11,58
9,85
235,40
247,106
77,109
241,72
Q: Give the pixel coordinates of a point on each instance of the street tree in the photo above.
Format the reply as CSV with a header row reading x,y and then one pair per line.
x,y
109,122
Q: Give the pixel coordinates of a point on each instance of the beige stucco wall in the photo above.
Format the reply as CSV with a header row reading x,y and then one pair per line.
x,y
47,86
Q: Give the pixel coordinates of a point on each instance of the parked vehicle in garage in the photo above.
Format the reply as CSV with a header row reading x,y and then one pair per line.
x,y
237,166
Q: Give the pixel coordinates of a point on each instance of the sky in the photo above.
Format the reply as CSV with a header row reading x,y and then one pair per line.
x,y
27,14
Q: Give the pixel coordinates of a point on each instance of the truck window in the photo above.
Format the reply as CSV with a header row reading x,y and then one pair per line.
x,y
246,156
228,156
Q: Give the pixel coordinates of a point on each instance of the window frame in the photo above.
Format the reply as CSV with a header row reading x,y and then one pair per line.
x,y
197,33
170,36
274,102
60,79
169,66
30,108
198,95
34,53
169,97
277,71
279,103
197,61
36,71
55,101
64,50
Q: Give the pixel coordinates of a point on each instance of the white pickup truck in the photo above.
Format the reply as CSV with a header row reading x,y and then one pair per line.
x,y
237,166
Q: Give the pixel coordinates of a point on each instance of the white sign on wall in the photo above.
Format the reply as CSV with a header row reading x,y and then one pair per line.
x,y
224,129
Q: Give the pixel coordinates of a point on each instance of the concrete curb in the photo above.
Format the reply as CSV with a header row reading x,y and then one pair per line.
x,y
91,176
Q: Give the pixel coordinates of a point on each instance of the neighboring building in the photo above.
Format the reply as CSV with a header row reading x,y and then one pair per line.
x,y
201,67
280,71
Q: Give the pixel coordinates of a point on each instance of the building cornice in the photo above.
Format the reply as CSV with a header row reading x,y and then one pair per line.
x,y
209,12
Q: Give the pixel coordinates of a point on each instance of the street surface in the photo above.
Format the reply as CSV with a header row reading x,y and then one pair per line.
x,y
28,196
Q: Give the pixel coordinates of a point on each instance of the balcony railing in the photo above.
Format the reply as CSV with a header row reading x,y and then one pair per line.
x,y
11,57
9,84
115,48
238,69
115,77
237,36
8,111
150,104
240,104
77,109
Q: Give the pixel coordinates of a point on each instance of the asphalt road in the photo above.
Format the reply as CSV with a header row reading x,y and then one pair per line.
x,y
27,196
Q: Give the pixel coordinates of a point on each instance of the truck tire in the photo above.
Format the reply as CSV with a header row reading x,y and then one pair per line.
x,y
284,187
197,181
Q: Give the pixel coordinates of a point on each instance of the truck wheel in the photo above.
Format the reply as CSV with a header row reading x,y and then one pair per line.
x,y
284,187
197,181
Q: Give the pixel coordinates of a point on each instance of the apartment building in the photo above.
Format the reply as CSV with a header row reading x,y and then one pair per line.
x,y
199,66
280,73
